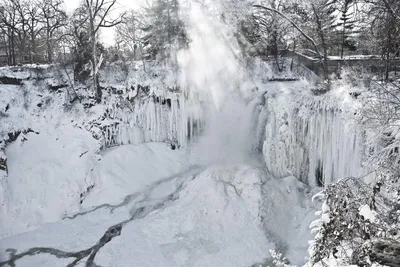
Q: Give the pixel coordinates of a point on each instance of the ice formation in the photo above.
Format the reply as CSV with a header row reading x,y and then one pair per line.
x,y
311,138
153,119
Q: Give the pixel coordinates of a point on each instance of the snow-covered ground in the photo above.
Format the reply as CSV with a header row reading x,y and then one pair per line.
x,y
200,217
49,178
129,169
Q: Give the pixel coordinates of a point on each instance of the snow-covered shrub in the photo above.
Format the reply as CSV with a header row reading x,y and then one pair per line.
x,y
276,259
355,216
381,116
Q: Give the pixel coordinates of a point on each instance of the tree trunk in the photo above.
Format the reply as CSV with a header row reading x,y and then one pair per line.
x,y
386,252
49,47
343,39
49,53
13,61
387,69
294,51
275,49
96,85
9,58
33,48
387,56
6,48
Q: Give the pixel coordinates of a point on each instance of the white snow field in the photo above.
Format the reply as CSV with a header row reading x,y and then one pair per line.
x,y
46,176
200,217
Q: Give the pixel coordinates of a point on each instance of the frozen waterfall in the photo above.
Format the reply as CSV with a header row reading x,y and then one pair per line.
x,y
312,140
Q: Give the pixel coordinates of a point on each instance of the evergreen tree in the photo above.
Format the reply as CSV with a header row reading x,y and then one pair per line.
x,y
165,30
324,20
346,26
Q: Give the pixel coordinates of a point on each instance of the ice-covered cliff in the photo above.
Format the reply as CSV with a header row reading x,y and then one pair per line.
x,y
315,138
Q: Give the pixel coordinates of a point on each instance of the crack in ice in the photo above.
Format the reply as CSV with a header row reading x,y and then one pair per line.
x,y
142,209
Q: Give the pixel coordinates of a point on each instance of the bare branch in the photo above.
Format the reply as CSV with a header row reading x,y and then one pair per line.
x,y
311,40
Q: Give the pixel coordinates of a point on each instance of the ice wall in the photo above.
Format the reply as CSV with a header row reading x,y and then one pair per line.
x,y
313,138
175,119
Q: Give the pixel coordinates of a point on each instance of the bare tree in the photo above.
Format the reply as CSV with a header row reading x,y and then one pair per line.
x,y
98,17
22,9
54,19
273,27
129,35
385,26
295,25
321,21
22,29
32,13
9,23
